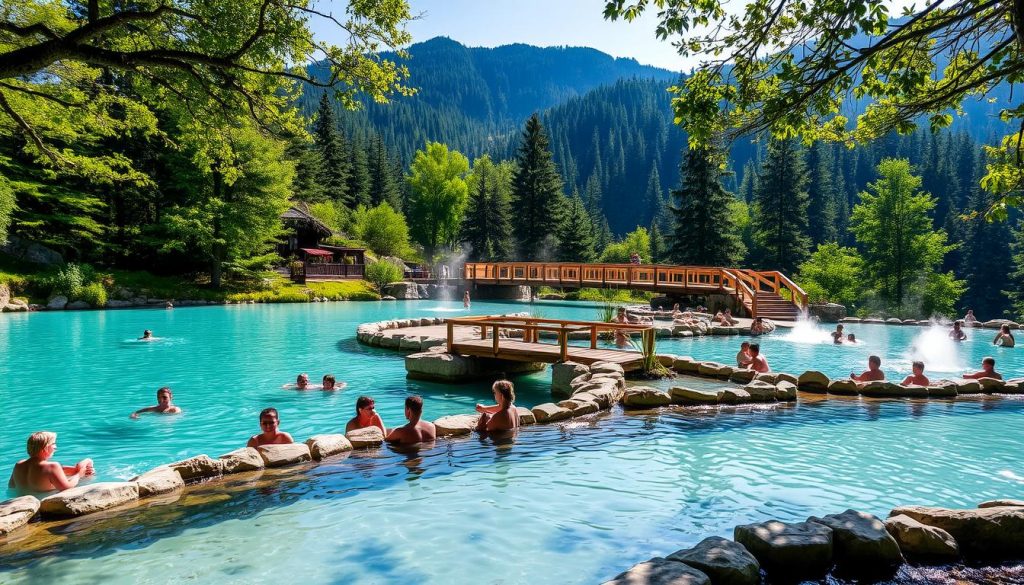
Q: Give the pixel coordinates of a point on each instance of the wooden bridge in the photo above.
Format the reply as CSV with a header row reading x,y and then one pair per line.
x,y
768,294
500,343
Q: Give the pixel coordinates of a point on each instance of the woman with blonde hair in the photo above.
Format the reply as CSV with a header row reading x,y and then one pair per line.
x,y
502,416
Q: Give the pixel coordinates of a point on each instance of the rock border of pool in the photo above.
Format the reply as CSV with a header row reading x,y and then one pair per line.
x,y
850,544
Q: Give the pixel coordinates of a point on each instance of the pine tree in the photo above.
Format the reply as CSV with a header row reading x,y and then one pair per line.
x,y
487,227
308,170
985,259
652,197
384,184
1015,279
602,235
704,232
780,217
821,210
576,233
536,192
657,243
334,168
359,180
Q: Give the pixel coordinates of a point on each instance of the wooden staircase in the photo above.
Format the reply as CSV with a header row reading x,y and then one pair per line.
x,y
772,306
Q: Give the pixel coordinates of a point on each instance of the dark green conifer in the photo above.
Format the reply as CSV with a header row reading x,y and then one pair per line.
x,y
780,217
536,192
334,162
576,234
704,231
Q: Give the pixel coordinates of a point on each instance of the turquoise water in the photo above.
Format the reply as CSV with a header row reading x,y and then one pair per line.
x,y
572,503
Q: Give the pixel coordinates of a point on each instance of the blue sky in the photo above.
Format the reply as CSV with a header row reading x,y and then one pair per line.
x,y
545,23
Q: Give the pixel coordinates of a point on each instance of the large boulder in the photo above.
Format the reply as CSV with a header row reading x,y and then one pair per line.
x,y
579,406
1002,504
860,543
991,385
984,533
785,391
843,387
967,387
827,312
16,513
281,455
5,296
441,366
736,396
881,389
715,370
403,290
724,561
693,396
87,499
198,468
604,396
550,412
159,480
802,549
456,424
784,377
526,416
564,373
813,381
686,365
761,391
365,437
323,446
78,306
942,389
57,303
239,460
659,571
1014,386
30,251
920,540
743,376
606,368
645,397
770,377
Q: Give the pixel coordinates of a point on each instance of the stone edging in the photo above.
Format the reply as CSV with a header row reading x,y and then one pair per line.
x,y
993,324
852,544
374,334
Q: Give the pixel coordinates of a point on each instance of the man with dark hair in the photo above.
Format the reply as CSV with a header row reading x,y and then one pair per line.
x,y
757,361
988,370
873,373
416,431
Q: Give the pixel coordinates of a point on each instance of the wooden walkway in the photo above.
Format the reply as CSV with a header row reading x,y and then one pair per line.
x,y
522,351
502,345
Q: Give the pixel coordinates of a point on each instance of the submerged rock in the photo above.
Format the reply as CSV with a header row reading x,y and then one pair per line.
x,y
659,571
87,499
724,561
860,543
692,396
802,549
16,513
920,540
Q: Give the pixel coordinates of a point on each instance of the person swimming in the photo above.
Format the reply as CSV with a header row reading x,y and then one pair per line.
x,y
416,431
39,474
147,335
163,406
329,383
502,416
851,338
269,422
301,382
1004,338
957,333
365,416
988,370
873,373
917,378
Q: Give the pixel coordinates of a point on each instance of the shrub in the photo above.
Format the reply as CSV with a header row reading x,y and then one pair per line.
x,y
638,241
383,272
382,228
94,294
67,281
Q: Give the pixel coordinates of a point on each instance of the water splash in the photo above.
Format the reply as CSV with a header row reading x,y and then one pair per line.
x,y
808,331
938,352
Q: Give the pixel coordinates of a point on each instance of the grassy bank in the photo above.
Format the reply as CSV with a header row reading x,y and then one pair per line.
x,y
599,295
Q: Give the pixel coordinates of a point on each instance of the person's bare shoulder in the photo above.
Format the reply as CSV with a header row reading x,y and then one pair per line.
x,y
174,410
287,438
254,441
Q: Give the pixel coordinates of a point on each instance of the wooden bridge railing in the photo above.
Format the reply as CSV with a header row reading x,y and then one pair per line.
x,y
532,326
742,283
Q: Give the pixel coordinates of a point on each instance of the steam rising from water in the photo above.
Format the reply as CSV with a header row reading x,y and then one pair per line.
x,y
808,331
938,352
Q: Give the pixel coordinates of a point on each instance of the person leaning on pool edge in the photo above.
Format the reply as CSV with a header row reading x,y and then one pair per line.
x,y
269,421
365,417
416,431
39,474
502,416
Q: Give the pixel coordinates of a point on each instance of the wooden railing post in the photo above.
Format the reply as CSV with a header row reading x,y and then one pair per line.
x,y
451,331
563,339
593,337
495,341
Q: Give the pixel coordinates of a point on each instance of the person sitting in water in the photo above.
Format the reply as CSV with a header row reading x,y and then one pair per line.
x,y
988,370
163,406
743,356
1004,337
757,361
957,334
269,421
758,327
502,416
969,319
147,335
621,337
917,378
39,474
416,431
837,335
851,338
301,382
365,416
873,373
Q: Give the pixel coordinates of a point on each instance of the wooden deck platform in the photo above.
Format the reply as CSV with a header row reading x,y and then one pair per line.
x,y
547,353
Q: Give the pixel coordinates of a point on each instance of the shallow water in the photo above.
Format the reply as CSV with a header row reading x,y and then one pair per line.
x,y
573,503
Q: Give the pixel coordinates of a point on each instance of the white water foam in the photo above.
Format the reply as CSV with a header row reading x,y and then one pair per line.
x,y
808,331
938,352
